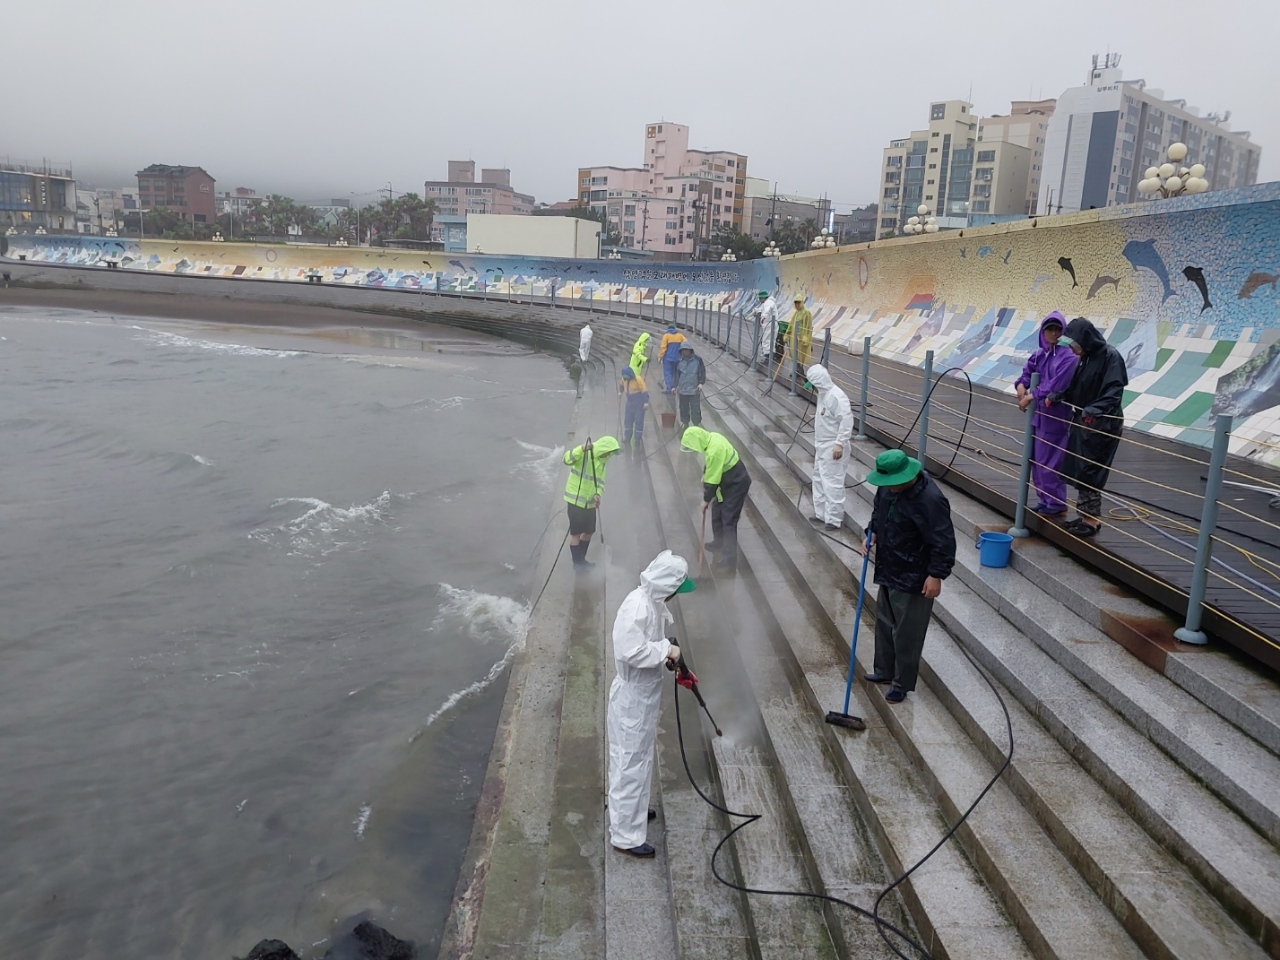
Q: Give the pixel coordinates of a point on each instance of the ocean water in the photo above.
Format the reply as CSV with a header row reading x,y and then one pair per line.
x,y
258,593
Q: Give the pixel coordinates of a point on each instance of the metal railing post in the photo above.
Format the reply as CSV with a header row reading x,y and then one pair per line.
x,y
1019,528
924,406
719,321
795,346
866,375
742,319
1191,633
826,347
756,333
624,301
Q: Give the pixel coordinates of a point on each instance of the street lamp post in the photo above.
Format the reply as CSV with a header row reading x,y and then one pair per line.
x,y
1171,179
923,222
823,240
728,257
772,250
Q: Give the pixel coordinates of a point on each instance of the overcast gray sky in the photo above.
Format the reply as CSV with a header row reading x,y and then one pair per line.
x,y
319,98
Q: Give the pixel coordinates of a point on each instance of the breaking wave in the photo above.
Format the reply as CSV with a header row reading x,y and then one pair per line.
x,y
323,529
544,465
486,618
164,339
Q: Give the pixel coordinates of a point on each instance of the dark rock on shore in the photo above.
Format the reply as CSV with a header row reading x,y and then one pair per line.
x,y
272,950
367,941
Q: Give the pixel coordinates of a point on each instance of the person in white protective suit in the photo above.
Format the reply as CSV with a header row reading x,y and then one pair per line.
x,y
584,343
767,317
640,650
832,428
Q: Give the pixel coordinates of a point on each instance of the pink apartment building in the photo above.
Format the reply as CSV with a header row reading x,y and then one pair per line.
x,y
673,204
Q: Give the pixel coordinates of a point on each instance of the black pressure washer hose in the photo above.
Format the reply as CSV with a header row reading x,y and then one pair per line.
x,y
883,926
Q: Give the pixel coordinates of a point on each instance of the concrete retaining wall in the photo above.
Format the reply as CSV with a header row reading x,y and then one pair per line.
x,y
1187,289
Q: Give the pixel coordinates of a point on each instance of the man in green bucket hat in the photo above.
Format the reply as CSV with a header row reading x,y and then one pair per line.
x,y
915,551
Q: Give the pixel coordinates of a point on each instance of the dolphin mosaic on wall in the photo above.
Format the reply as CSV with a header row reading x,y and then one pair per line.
x,y
1196,276
1142,255
1065,264
909,296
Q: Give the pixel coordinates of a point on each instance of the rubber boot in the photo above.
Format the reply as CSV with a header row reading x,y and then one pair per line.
x,y
581,561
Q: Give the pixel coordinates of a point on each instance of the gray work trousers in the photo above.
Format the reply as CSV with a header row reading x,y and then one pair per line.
x,y
901,621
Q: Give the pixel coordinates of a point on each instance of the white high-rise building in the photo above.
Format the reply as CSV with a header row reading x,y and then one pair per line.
x,y
1105,134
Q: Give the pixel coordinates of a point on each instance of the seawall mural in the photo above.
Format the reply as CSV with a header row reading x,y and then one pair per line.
x,y
1185,288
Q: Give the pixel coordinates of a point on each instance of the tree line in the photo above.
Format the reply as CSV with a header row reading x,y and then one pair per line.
x,y
407,217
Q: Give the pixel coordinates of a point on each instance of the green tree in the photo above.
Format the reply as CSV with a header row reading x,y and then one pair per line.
x,y
729,237
163,222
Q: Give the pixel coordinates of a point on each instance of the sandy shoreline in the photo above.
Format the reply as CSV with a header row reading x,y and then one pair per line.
x,y
169,306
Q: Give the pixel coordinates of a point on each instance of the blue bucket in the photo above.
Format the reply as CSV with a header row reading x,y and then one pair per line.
x,y
994,549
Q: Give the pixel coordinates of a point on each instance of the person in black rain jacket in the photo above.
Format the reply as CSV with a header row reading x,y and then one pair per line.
x,y
915,551
1097,420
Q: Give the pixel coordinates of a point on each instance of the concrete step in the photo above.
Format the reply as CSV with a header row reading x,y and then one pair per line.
x,y
1161,907
955,911
1217,846
1244,773
768,853
1241,693
1037,886
959,916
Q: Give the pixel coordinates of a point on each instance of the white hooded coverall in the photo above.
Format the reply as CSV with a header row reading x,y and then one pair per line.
x,y
832,428
768,314
584,343
640,650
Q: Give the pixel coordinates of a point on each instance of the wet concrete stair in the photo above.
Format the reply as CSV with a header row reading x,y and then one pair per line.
x,y
824,789
1165,854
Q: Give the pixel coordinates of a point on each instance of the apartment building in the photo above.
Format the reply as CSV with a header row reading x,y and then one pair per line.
x,y
1026,125
672,204
1105,134
933,166
462,194
187,191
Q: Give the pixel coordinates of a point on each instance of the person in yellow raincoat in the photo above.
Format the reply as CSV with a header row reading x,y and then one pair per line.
x,y
725,483
802,332
640,354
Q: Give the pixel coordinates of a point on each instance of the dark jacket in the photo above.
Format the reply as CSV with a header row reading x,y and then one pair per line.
x,y
1095,395
914,536
691,373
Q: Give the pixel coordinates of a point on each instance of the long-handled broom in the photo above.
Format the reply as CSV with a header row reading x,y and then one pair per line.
x,y
844,719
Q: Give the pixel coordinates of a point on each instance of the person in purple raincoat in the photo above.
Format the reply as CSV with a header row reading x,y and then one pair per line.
x,y
1056,363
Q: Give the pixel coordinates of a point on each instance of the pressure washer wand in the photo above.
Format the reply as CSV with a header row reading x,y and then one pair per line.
x,y
685,678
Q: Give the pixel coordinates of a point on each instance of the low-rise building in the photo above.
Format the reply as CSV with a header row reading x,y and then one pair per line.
x,y
519,235
37,196
764,210
462,194
858,225
187,191
239,202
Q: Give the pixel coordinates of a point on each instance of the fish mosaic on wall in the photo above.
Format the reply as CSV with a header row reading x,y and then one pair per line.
x,y
916,296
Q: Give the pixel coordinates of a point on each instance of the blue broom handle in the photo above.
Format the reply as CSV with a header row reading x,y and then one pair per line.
x,y
857,623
